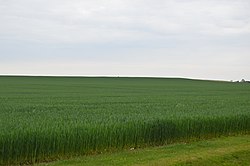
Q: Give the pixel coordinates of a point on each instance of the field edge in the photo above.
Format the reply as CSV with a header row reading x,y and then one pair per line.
x,y
212,151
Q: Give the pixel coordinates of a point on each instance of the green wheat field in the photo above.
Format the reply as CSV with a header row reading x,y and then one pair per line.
x,y
46,118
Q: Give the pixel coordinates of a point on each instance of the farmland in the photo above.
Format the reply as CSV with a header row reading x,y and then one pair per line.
x,y
45,118
226,151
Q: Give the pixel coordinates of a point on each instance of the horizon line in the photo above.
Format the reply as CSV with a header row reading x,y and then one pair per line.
x,y
110,76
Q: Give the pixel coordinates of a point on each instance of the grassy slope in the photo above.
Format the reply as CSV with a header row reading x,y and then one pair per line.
x,y
221,151
51,117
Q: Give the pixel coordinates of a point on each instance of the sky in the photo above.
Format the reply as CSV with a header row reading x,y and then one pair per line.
x,y
203,39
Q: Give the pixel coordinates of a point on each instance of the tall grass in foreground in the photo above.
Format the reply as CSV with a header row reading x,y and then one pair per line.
x,y
47,144
43,119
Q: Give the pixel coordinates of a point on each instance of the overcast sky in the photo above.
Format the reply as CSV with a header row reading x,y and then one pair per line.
x,y
207,39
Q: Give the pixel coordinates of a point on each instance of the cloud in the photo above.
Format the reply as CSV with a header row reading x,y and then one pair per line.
x,y
115,20
194,38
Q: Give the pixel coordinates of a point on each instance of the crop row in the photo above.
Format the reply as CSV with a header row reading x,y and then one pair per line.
x,y
42,144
